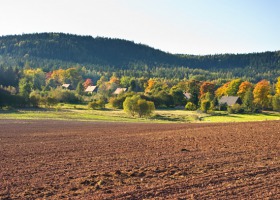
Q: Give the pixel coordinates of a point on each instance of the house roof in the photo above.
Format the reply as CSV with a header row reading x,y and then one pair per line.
x,y
66,85
229,100
90,88
187,95
119,90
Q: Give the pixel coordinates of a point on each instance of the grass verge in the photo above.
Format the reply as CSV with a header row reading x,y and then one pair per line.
x,y
81,113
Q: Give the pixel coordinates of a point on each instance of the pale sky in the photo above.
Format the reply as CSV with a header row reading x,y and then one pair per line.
x,y
177,26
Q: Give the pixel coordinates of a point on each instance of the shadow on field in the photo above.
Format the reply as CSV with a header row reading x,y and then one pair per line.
x,y
8,111
167,118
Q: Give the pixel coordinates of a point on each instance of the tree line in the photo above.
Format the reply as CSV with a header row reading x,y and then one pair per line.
x,y
34,87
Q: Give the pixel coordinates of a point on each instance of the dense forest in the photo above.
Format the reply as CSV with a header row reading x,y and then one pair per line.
x,y
104,56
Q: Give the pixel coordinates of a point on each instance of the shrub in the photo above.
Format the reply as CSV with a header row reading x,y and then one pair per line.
x,y
135,105
223,107
205,105
34,98
190,106
117,102
276,102
145,107
96,104
235,109
64,96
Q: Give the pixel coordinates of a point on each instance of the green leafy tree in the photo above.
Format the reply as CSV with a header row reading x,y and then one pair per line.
x,y
178,97
276,102
130,105
135,105
193,87
248,99
25,88
233,87
205,105
80,88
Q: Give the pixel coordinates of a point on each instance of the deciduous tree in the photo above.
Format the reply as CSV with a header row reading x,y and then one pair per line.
x,y
88,82
243,88
277,86
261,94
221,91
233,87
206,87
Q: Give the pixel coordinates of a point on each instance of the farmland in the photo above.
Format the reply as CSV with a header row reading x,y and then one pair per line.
x,y
114,160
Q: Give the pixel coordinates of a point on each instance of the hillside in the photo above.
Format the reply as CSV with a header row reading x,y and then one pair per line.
x,y
57,50
82,49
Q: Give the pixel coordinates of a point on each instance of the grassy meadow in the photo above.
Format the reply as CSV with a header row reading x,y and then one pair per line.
x,y
82,113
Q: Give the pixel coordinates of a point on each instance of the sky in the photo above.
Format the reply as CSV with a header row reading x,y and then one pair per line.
x,y
196,27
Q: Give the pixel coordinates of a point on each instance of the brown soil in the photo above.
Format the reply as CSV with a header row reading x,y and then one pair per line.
x,y
99,160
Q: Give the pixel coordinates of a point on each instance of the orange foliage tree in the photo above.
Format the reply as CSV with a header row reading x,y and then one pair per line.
x,y
243,88
206,87
261,94
88,82
150,84
115,80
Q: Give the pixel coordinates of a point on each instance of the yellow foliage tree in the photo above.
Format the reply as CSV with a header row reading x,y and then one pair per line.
x,y
277,86
262,93
221,91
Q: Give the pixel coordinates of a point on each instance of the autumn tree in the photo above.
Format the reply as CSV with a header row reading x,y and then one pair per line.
x,y
58,76
233,87
243,88
88,82
150,85
277,86
261,94
206,87
114,79
221,91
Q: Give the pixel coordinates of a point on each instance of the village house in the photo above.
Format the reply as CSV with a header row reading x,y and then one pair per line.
x,y
230,100
67,86
119,90
187,95
91,89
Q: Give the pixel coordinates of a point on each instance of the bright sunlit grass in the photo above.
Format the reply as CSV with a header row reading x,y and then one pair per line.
x,y
82,113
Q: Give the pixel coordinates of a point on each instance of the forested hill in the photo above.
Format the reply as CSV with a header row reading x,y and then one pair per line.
x,y
83,50
120,54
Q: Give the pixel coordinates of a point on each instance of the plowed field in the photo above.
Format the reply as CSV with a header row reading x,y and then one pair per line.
x,y
102,160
